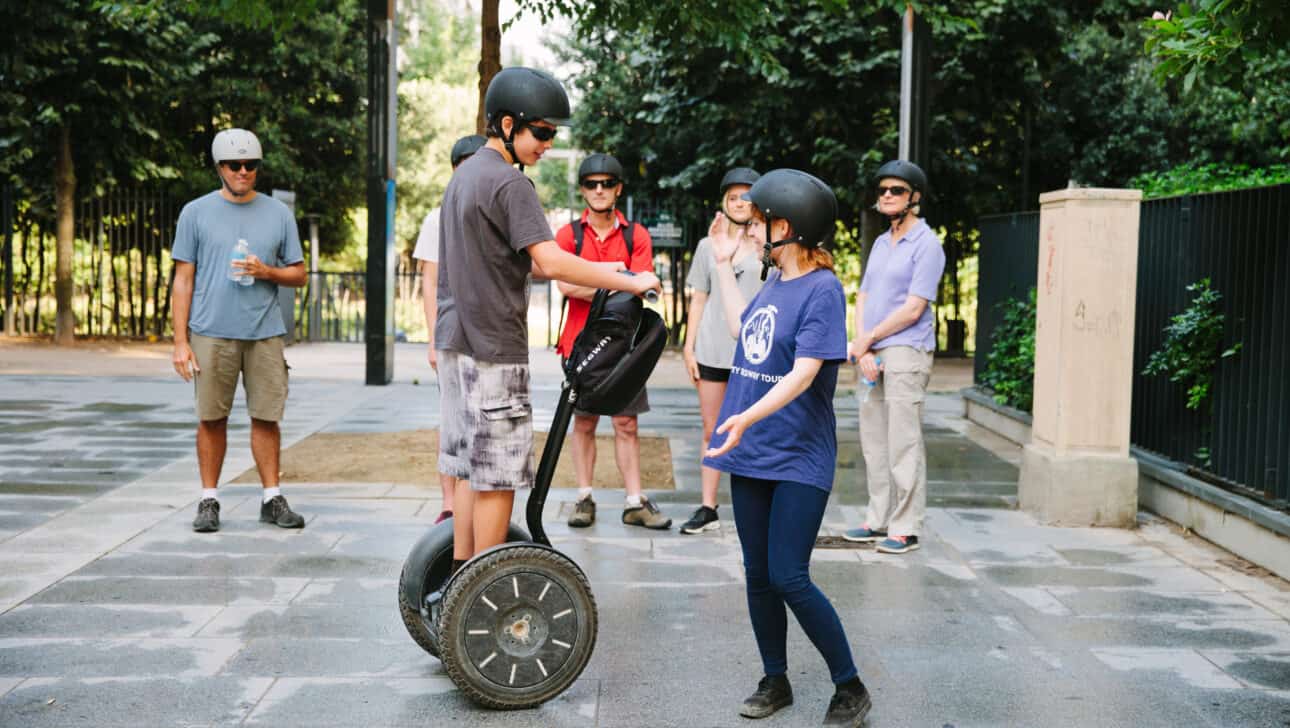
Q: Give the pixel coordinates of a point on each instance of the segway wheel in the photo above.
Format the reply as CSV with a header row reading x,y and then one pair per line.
x,y
517,626
425,571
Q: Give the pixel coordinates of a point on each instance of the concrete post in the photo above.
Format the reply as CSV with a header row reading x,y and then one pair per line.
x,y
1076,471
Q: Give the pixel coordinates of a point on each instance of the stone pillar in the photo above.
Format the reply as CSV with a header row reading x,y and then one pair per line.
x,y
1076,471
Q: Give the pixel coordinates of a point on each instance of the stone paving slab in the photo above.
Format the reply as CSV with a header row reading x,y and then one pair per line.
x,y
994,621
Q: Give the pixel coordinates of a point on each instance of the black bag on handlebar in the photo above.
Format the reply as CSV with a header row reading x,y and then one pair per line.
x,y
615,353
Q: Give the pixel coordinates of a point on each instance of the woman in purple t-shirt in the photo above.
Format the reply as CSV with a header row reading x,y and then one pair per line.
x,y
777,437
896,335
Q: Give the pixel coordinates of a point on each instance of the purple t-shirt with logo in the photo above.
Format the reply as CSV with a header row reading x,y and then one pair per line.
x,y
805,317
913,267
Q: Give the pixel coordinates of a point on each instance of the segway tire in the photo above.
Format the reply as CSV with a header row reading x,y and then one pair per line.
x,y
517,626
425,571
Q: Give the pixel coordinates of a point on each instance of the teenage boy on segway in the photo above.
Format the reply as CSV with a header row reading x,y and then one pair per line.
x,y
493,234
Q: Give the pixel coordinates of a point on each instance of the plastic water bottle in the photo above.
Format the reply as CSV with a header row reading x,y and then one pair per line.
x,y
240,251
869,384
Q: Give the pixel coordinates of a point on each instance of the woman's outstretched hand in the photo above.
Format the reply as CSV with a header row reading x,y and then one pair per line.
x,y
724,245
733,428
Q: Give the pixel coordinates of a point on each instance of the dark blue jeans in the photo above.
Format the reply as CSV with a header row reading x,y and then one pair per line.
x,y
777,523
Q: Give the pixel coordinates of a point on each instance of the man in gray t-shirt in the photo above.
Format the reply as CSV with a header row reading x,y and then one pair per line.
x,y
493,234
233,248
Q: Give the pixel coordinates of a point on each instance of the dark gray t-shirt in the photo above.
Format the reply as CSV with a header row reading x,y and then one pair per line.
x,y
208,229
490,214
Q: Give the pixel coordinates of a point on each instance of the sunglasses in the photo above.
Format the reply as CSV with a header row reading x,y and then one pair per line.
x,y
542,133
591,184
251,165
895,190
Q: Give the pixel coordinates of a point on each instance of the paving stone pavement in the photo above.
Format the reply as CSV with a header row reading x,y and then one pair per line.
x,y
113,612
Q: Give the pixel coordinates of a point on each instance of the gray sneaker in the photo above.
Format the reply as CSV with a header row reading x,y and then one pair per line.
x,y
584,513
646,514
207,520
277,512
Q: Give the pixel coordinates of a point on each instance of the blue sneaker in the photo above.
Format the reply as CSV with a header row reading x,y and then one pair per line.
x,y
864,534
898,544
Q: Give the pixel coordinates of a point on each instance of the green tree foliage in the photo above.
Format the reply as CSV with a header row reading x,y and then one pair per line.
x,y
145,88
1215,40
1010,365
437,98
1194,178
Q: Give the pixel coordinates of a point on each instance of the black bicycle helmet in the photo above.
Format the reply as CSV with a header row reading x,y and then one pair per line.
x,y
803,199
599,163
908,171
466,146
527,94
739,176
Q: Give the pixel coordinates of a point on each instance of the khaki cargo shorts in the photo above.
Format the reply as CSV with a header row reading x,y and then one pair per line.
x,y
485,422
264,376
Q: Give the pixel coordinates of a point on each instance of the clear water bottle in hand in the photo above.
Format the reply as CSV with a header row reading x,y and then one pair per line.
x,y
237,275
870,384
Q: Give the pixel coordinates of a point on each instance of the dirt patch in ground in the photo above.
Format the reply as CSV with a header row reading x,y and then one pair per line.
x,y
411,457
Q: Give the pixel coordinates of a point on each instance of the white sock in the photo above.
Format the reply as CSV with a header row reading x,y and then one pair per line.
x,y
584,493
634,501
210,494
271,493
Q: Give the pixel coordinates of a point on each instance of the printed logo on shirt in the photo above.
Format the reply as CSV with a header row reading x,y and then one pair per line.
x,y
758,333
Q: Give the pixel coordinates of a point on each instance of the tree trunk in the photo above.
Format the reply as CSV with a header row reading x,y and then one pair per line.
x,y
64,202
490,54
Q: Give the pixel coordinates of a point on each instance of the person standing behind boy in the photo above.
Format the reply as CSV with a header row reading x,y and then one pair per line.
x,y
493,233
427,251
604,234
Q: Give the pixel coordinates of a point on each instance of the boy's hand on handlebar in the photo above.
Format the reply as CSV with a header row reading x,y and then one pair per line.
x,y
644,282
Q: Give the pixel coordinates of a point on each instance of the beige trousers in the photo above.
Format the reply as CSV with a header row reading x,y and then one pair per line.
x,y
891,439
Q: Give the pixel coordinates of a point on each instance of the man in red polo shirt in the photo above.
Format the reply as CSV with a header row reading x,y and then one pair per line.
x,y
605,235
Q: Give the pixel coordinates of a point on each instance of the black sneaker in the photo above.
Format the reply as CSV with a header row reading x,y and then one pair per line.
x,y
773,693
207,520
849,706
277,512
704,519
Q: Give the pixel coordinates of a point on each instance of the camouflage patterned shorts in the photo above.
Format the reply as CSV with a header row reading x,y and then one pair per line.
x,y
486,422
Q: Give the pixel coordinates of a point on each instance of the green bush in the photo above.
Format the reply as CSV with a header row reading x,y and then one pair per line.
x,y
1193,178
1010,365
1193,345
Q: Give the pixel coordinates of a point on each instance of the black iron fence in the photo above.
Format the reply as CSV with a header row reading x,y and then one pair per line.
x,y
1007,267
120,265
332,307
1240,240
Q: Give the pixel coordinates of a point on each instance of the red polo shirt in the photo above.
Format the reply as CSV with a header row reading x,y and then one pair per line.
x,y
613,247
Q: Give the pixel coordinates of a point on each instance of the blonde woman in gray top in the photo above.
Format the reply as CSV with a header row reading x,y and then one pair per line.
x,y
709,348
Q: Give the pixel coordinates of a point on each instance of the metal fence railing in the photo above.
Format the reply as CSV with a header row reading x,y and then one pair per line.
x,y
1240,240
121,267
1007,267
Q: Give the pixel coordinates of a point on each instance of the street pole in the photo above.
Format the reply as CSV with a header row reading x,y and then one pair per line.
x,y
915,110
382,80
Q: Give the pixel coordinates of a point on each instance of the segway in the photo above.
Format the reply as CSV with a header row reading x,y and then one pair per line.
x,y
516,625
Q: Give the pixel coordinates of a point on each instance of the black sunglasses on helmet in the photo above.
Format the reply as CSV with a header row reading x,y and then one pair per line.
x,y
591,184
896,190
236,166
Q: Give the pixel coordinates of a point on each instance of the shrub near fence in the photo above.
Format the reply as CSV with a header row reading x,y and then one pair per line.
x,y
1240,240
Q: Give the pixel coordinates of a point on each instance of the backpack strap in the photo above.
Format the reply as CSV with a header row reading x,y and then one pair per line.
x,y
627,238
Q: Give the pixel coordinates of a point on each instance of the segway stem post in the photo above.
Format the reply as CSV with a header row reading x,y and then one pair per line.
x,y
546,467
